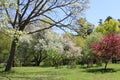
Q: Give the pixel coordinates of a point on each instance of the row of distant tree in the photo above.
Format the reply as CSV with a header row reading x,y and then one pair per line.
x,y
48,48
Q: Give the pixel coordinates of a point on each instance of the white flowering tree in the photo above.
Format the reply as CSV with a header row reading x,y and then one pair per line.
x,y
38,47
48,41
71,49
17,14
41,45
49,47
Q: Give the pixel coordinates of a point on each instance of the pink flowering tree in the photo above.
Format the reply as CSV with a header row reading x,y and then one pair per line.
x,y
107,48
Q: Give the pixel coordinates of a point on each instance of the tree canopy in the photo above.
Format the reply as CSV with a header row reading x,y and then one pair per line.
x,y
109,26
17,14
108,47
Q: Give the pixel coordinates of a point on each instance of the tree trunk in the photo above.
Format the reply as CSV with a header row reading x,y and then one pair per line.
x,y
106,65
38,63
107,61
11,57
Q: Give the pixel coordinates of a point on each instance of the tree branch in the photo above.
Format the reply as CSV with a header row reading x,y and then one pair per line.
x,y
10,20
25,8
55,24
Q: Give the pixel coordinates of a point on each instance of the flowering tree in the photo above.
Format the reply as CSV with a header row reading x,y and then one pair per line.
x,y
17,14
72,49
48,45
47,41
108,47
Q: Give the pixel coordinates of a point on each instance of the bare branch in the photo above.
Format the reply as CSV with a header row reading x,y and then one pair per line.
x,y
8,15
42,21
25,8
35,8
55,24
38,11
50,9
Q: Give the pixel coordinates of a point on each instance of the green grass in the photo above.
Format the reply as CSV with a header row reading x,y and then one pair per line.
x,y
64,73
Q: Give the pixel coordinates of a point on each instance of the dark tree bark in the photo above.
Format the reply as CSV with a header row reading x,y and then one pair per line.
x,y
37,63
11,57
38,60
107,61
106,65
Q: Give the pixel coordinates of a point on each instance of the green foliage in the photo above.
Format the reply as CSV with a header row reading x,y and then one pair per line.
x,y
109,26
86,50
79,41
84,28
93,38
35,47
5,43
54,58
23,55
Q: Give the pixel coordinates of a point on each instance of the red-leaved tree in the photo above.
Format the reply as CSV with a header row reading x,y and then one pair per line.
x,y
108,47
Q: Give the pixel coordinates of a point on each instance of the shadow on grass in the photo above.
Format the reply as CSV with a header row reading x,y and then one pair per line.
x,y
102,70
85,67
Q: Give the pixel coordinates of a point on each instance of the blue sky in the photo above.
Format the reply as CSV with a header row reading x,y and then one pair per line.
x,y
100,9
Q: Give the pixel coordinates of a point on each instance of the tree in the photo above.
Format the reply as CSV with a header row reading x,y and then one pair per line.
x,y
108,47
20,13
108,18
72,50
23,55
44,42
83,27
54,58
38,46
79,41
109,26
87,55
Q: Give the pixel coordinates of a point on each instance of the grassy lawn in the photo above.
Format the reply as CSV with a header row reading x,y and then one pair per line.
x,y
63,73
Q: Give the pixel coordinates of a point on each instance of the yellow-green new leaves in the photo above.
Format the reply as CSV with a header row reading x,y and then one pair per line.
x,y
93,38
79,41
6,9
12,33
89,41
111,26
5,43
8,3
85,28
